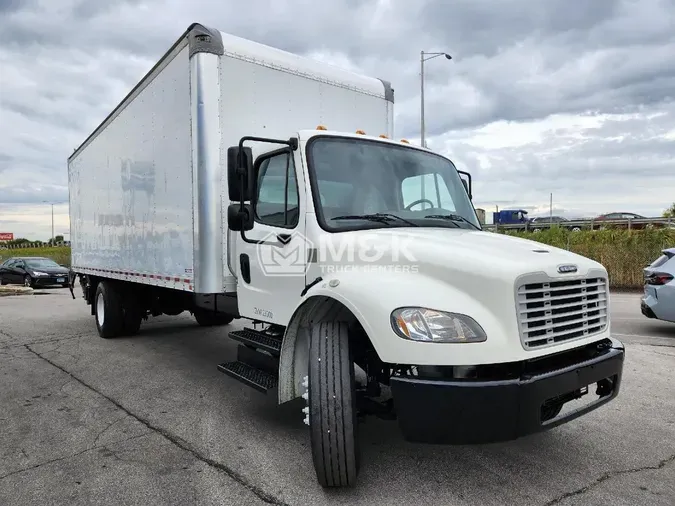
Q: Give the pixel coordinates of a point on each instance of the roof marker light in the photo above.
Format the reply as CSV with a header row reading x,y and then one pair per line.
x,y
360,132
405,141
382,136
321,127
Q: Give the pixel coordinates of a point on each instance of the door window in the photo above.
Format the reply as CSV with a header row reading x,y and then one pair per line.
x,y
277,202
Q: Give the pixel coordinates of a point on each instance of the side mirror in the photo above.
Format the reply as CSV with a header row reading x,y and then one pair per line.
x,y
239,220
466,182
240,162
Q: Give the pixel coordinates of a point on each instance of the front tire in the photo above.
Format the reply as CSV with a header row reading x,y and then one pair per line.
x,y
332,406
108,310
28,281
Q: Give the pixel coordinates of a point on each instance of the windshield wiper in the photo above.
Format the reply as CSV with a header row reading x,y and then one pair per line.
x,y
380,217
451,217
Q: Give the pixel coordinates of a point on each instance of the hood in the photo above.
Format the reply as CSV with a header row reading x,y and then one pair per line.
x,y
470,251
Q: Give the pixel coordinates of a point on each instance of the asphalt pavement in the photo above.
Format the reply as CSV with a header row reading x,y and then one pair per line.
x,y
149,420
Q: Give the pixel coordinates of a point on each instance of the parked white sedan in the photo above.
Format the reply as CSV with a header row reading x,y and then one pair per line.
x,y
658,300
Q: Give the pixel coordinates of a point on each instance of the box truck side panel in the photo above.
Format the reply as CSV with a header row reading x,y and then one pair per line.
x,y
131,185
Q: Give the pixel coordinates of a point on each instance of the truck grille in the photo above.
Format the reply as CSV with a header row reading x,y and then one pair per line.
x,y
552,312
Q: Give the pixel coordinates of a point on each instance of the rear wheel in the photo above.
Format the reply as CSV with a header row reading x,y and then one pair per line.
x,y
133,315
332,406
108,310
207,318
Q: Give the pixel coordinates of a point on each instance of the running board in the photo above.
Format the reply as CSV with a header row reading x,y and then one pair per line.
x,y
258,340
260,380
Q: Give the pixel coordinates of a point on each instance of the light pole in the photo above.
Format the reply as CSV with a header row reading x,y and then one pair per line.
x,y
51,204
424,56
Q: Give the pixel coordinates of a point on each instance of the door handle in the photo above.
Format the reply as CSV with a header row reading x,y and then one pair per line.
x,y
284,238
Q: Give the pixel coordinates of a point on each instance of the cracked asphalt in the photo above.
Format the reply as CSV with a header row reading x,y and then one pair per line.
x,y
149,420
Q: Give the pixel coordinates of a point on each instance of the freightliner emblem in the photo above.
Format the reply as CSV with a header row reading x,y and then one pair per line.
x,y
566,269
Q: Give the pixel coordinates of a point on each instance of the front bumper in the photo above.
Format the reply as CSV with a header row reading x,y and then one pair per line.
x,y
50,280
512,402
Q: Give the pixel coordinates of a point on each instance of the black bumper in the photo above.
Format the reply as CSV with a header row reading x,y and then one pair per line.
x,y
646,310
51,280
488,411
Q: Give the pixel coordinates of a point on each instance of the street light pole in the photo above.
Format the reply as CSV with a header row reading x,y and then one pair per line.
x,y
423,141
422,98
51,204
429,56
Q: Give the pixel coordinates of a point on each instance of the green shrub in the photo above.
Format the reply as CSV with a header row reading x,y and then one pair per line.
x,y
624,253
60,254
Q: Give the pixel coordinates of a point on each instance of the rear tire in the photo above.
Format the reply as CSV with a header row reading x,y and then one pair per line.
x,y
108,310
207,318
332,406
133,316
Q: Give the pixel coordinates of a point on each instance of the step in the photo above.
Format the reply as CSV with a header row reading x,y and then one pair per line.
x,y
249,375
258,340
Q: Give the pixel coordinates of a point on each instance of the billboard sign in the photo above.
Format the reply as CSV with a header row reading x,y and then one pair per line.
x,y
6,236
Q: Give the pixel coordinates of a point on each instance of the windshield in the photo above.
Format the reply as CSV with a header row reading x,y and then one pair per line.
x,y
41,263
353,178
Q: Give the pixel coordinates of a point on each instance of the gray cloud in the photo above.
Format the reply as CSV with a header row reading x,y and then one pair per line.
x,y
65,64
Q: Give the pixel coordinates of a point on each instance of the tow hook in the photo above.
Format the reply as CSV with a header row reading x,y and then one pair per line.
x,y
605,387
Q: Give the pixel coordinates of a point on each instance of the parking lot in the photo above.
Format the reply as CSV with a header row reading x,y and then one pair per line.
x,y
149,420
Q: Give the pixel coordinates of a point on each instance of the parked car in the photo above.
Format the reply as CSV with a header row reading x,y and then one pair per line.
x,y
658,300
33,271
624,217
540,222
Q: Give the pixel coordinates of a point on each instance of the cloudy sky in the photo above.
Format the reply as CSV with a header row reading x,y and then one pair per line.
x,y
576,98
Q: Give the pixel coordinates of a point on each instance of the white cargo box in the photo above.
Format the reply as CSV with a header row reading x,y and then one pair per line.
x,y
148,188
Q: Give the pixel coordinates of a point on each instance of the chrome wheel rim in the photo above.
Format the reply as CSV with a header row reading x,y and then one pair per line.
x,y
100,310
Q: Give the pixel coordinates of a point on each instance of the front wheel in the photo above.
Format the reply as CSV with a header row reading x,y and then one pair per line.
x,y
28,281
332,406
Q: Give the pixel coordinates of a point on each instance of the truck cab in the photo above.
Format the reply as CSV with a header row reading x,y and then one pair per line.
x,y
510,217
370,265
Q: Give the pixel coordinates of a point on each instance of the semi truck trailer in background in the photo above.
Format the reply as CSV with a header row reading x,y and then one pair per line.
x,y
240,182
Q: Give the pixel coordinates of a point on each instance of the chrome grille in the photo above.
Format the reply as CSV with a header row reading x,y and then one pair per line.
x,y
551,312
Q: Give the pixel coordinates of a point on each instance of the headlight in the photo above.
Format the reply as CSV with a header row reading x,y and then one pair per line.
x,y
40,273
422,324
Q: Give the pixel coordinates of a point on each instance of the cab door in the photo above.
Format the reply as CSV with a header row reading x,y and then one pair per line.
x,y
272,261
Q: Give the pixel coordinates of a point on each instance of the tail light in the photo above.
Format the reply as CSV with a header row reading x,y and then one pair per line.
x,y
658,278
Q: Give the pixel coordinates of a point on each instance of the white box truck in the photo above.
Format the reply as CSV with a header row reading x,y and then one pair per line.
x,y
238,181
